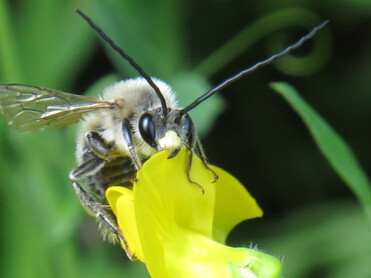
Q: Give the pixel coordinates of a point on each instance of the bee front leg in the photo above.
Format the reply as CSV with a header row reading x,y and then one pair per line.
x,y
189,165
192,147
126,131
200,152
92,206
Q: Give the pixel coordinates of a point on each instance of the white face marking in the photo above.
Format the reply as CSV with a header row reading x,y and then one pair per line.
x,y
171,141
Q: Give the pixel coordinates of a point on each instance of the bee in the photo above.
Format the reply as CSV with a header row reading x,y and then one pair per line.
x,y
133,120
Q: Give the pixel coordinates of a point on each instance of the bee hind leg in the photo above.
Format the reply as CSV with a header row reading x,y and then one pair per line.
x,y
92,206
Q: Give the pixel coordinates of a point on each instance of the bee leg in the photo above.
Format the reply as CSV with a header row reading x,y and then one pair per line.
x,y
189,165
200,152
98,146
193,142
91,205
126,131
101,149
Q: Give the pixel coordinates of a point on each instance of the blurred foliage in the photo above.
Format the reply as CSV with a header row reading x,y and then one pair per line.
x,y
311,217
332,146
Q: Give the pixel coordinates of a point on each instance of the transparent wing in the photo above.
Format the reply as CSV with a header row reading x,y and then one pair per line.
x,y
30,108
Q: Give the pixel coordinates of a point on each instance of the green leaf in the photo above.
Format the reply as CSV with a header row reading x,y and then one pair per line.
x,y
334,148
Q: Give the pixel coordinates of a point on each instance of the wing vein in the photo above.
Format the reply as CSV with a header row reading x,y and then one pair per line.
x,y
31,108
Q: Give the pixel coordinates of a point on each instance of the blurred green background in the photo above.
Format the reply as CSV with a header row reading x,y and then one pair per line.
x,y
312,219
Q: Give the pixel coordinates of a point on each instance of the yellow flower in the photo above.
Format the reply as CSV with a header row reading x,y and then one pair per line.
x,y
178,231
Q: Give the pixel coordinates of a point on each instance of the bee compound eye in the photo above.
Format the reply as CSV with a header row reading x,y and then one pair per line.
x,y
147,129
188,125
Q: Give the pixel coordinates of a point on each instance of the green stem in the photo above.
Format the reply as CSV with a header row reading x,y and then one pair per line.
x,y
253,33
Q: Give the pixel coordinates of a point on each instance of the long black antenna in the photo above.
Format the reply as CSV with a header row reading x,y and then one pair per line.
x,y
253,68
127,58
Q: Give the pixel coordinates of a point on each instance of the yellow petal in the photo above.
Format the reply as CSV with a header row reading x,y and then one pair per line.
x,y
190,254
165,199
121,200
170,223
177,198
193,255
233,204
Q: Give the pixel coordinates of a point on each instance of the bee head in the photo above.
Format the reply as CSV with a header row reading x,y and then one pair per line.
x,y
170,132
